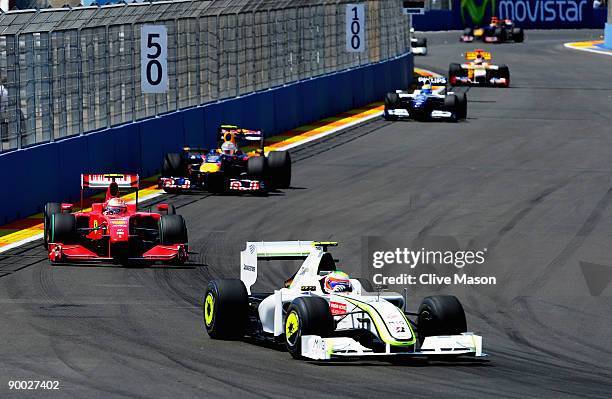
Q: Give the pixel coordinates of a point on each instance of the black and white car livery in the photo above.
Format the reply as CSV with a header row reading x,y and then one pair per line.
x,y
431,102
317,325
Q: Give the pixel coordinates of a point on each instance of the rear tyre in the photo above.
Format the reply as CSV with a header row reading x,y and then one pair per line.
x,y
306,316
454,72
461,106
440,315
51,208
172,230
279,168
63,228
451,103
422,42
172,166
518,35
225,309
468,32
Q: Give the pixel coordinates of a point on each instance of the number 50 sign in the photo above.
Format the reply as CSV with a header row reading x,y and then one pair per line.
x,y
154,59
355,28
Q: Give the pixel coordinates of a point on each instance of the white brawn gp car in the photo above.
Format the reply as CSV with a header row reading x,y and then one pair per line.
x,y
321,314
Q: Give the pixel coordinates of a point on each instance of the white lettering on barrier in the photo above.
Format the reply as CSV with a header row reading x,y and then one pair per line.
x,y
542,10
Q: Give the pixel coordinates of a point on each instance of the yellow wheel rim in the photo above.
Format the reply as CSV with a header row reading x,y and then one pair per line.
x,y
292,326
209,308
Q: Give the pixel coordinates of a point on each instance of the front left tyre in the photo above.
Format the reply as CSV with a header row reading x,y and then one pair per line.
x,y
308,315
279,169
172,230
391,102
63,228
225,309
51,208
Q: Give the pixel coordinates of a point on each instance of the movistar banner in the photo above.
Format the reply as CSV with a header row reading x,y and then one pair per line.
x,y
540,14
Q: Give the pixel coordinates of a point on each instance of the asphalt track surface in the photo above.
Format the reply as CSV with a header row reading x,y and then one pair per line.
x,y
527,176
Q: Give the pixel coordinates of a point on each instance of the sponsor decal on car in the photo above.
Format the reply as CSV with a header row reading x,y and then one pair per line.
x,y
337,307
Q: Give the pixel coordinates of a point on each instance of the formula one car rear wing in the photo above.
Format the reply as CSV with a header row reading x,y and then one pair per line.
x,y
233,133
472,55
110,181
275,250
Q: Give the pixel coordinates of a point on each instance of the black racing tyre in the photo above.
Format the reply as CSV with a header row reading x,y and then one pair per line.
x,y
225,309
468,32
454,70
257,167
172,230
498,33
451,103
518,35
172,165
51,208
440,315
306,316
279,169
504,72
366,285
63,228
462,105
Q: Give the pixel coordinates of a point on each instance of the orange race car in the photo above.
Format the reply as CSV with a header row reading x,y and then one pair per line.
x,y
478,71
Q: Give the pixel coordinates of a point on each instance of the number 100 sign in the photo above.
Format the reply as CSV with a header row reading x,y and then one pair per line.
x,y
154,59
355,28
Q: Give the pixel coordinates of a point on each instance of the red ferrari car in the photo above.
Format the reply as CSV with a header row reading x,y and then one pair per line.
x,y
114,231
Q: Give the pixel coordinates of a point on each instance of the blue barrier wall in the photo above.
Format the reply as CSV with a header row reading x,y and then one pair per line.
x,y
529,14
51,172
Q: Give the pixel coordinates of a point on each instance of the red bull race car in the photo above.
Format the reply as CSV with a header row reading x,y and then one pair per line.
x,y
498,31
114,231
323,314
227,168
478,71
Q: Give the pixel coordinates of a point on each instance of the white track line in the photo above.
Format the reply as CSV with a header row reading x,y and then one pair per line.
x,y
590,50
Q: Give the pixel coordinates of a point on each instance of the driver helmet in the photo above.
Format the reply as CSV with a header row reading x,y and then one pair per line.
x,y
337,282
426,89
479,59
228,148
115,206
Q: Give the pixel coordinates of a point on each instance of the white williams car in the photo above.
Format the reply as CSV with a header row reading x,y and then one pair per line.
x,y
322,314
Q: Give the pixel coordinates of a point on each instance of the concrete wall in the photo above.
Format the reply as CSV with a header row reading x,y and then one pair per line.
x,y
51,172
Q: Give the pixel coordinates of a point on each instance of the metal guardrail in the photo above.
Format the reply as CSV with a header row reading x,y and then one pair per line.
x,y
72,71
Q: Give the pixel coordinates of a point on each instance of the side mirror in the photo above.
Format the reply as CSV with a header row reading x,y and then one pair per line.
x,y
67,208
162,207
